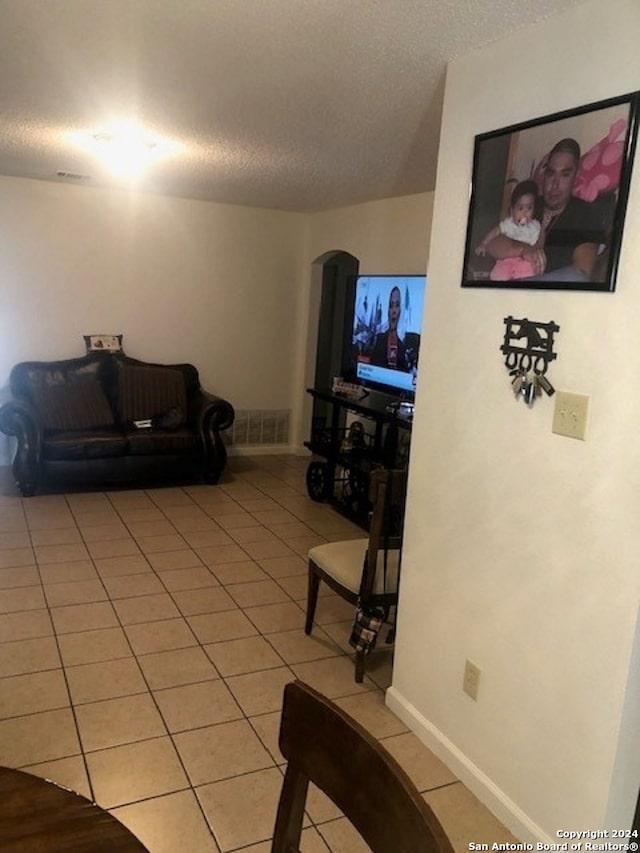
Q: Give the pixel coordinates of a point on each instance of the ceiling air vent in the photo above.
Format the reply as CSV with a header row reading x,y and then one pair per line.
x,y
72,176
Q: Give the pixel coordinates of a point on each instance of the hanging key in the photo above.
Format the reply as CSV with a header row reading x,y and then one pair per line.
x,y
517,382
530,392
546,386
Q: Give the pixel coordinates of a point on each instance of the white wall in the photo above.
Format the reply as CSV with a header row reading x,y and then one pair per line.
x,y
388,236
522,546
183,280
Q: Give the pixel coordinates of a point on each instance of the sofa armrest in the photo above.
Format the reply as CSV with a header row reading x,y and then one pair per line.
x,y
209,415
209,412
20,419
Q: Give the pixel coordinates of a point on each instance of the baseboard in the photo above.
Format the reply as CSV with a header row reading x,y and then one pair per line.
x,y
478,783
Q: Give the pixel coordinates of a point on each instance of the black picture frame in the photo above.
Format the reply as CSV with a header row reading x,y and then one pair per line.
x,y
593,190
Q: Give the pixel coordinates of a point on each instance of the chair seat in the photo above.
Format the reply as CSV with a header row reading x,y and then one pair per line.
x,y
364,571
343,562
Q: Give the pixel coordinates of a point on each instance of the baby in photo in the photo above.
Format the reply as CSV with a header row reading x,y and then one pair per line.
x,y
522,225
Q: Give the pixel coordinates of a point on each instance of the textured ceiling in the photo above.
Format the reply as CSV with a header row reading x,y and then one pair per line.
x,y
290,104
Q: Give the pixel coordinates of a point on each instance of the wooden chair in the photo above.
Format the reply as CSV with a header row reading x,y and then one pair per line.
x,y
324,745
364,570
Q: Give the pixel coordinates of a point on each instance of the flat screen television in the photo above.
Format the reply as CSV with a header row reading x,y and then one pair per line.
x,y
387,327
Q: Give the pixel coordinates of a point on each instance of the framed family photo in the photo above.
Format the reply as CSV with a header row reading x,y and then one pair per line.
x,y
548,199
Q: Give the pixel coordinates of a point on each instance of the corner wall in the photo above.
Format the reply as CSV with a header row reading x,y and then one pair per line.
x,y
522,546
183,280
225,287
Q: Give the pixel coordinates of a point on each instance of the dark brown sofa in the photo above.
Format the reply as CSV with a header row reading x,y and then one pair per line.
x,y
74,421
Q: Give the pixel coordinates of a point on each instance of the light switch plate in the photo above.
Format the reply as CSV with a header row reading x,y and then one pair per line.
x,y
570,414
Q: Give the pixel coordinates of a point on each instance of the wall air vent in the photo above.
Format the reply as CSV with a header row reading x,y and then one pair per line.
x,y
259,427
72,176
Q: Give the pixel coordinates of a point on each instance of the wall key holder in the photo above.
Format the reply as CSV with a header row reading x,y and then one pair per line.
x,y
527,365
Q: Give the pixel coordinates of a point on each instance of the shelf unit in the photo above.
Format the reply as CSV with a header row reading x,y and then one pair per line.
x,y
341,467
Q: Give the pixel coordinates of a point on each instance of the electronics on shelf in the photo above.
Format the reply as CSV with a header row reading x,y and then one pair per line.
x,y
401,409
348,389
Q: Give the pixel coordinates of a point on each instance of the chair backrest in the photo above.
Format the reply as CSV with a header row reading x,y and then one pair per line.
x,y
325,745
387,492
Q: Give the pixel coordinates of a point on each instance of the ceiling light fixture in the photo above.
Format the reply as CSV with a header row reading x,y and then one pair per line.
x,y
125,149
126,152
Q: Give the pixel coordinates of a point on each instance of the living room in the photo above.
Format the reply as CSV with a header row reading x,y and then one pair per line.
x,y
520,545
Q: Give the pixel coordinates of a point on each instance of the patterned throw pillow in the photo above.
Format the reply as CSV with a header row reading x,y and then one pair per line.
x,y
78,405
145,392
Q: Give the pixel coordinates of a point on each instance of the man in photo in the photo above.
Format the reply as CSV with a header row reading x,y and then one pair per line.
x,y
388,348
571,236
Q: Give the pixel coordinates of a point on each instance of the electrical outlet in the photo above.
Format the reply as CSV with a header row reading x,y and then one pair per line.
x,y
570,415
471,680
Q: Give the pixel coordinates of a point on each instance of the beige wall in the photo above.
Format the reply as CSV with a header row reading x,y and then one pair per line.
x,y
388,236
182,280
522,546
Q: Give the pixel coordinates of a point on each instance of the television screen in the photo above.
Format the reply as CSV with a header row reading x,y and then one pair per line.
x,y
387,327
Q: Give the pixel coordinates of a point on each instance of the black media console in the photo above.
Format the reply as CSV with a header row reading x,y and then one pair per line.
x,y
350,438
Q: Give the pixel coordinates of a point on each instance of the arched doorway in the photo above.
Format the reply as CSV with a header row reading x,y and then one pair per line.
x,y
335,325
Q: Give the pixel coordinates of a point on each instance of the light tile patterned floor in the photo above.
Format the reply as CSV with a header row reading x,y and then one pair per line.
x,y
146,637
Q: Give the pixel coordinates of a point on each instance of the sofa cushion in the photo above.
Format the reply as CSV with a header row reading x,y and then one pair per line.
x,y
78,445
79,405
148,391
147,442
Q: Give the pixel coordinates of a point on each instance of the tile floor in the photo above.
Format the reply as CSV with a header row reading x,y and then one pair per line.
x,y
145,639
